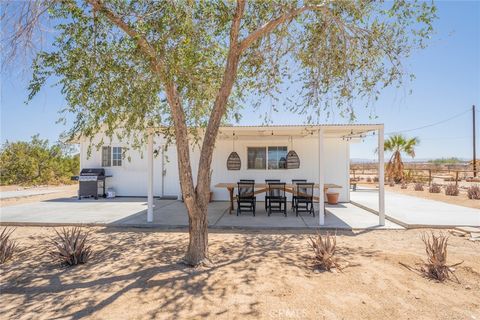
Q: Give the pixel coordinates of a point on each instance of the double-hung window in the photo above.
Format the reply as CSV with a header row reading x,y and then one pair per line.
x,y
111,156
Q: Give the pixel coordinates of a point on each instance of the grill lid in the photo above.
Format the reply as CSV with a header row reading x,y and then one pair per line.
x,y
92,172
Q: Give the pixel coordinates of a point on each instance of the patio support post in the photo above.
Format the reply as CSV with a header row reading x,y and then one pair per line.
x,y
150,177
321,178
381,177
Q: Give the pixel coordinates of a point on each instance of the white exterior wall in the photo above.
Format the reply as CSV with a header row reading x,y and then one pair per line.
x,y
130,179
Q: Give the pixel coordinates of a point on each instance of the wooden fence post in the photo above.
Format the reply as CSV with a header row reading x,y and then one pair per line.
x,y
429,177
456,178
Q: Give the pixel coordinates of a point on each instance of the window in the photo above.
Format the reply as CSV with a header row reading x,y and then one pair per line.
x,y
106,156
277,158
257,158
117,156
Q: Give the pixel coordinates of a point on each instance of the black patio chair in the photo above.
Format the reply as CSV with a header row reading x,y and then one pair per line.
x,y
277,201
294,182
266,193
247,181
304,198
246,200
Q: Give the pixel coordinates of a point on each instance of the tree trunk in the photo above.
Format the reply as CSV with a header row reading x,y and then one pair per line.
x,y
197,252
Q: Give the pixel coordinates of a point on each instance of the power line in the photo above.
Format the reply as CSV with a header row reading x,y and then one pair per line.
x,y
432,124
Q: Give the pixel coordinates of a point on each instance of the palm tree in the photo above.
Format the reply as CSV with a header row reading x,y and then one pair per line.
x,y
399,144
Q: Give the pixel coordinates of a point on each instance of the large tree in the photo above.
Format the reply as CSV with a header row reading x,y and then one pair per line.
x,y
185,66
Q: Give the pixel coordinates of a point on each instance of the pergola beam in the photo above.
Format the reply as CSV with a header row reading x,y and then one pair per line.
x,y
150,177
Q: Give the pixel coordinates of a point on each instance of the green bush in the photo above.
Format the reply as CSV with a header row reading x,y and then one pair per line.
x,y
35,162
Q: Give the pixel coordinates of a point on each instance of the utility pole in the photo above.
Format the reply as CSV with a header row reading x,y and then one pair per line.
x,y
474,144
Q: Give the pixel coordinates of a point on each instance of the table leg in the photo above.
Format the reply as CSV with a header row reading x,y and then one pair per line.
x,y
230,191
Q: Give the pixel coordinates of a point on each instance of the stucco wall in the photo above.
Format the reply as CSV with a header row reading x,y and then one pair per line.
x,y
130,179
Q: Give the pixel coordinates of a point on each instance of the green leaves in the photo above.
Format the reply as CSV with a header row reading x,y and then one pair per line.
x,y
323,59
35,162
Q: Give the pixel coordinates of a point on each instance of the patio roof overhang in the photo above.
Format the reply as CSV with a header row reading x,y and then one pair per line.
x,y
299,131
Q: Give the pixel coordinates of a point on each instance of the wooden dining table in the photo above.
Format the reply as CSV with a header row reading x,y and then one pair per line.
x,y
263,187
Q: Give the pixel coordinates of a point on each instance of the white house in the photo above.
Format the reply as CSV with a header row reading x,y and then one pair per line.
x,y
323,151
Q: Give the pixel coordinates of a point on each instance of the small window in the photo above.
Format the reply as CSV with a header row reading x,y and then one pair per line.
x,y
106,156
117,156
257,158
277,158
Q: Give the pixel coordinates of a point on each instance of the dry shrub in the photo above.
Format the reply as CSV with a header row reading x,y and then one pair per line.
x,y
452,190
369,179
375,179
391,183
435,188
473,192
403,186
324,248
436,266
7,246
71,246
418,186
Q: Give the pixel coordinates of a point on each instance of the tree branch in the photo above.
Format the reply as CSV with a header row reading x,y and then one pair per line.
x,y
156,62
219,106
272,24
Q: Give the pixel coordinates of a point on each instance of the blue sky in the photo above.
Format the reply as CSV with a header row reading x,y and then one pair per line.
x,y
447,84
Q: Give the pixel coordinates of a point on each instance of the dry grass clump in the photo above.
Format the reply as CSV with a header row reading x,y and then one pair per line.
x,y
473,192
452,190
369,179
7,245
404,185
435,188
436,266
418,186
391,183
324,248
71,246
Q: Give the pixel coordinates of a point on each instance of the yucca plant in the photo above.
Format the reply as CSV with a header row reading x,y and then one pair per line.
x,y
435,188
418,186
324,248
473,192
452,190
436,266
7,245
70,247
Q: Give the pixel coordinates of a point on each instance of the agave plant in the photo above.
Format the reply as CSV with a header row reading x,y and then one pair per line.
x,y
7,245
399,144
324,248
70,247
436,266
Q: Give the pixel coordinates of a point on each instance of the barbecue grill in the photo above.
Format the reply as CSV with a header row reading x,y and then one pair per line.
x,y
92,183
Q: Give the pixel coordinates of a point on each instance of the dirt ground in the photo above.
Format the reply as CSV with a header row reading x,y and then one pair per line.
x,y
134,274
461,199
62,191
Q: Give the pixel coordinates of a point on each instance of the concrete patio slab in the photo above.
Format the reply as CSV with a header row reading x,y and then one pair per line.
x,y
418,212
172,214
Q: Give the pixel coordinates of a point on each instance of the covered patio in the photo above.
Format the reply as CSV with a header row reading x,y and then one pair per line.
x,y
322,163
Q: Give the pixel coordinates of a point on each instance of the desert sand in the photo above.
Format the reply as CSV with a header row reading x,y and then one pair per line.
x,y
61,191
135,274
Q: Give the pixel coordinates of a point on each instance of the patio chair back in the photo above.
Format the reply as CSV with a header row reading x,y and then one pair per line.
x,y
295,181
304,190
246,190
276,190
267,181
247,181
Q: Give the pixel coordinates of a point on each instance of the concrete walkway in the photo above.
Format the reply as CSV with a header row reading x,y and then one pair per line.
x,y
131,212
418,212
